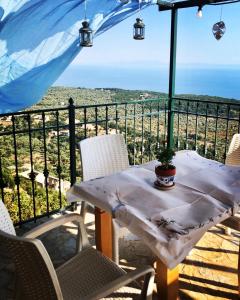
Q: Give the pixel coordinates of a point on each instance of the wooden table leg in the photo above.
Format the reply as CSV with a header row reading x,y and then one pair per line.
x,y
103,229
167,281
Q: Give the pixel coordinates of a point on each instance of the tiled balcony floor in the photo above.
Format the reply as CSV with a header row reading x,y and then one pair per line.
x,y
209,271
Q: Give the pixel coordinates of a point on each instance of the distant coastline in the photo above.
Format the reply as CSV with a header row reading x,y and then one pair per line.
x,y
220,81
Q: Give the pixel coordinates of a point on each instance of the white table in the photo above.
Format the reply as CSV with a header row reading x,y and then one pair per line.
x,y
170,222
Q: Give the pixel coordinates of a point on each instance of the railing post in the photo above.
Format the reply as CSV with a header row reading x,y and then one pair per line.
x,y
72,140
172,73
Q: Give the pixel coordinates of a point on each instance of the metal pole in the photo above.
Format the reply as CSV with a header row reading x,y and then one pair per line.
x,y
72,140
172,71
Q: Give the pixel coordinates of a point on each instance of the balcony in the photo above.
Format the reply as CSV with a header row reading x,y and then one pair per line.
x,y
40,160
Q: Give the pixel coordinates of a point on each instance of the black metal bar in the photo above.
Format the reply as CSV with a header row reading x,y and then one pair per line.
x,y
205,131
150,133
1,179
239,120
96,120
142,148
45,171
186,146
59,168
17,179
32,174
165,123
126,123
134,135
85,122
116,118
72,140
196,127
226,137
106,125
158,125
178,127
216,129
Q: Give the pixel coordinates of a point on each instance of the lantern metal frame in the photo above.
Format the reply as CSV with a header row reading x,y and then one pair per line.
x,y
86,35
139,29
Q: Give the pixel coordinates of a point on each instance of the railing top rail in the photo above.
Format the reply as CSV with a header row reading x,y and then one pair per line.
x,y
37,111
235,102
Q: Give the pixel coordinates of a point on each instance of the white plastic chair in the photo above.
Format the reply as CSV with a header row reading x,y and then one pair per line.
x,y
102,156
89,275
232,158
6,224
233,155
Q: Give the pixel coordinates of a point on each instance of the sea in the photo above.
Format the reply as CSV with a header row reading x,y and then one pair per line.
x,y
222,81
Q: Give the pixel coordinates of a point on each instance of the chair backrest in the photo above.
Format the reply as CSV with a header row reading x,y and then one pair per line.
x,y
103,155
7,268
36,276
233,155
6,224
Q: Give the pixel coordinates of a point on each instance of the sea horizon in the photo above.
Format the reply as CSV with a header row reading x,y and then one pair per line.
x,y
221,81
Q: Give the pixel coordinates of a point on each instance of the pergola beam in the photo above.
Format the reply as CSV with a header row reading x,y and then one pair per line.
x,y
165,5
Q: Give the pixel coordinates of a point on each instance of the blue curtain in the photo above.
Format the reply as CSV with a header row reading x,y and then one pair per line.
x,y
40,38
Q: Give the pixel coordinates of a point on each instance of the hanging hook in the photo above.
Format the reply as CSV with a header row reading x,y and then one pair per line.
x,y
221,13
85,9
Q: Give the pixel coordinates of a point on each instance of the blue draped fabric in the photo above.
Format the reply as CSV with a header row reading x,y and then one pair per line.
x,y
40,38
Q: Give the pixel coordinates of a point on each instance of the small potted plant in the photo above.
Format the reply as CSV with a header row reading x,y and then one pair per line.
x,y
166,171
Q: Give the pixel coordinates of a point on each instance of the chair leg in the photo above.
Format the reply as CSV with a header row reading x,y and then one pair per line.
x,y
83,210
239,271
115,241
148,284
228,231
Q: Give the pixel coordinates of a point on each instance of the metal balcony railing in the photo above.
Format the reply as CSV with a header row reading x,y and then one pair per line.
x,y
39,158
205,126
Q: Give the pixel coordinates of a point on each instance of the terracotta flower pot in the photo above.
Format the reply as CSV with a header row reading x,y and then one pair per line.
x,y
165,177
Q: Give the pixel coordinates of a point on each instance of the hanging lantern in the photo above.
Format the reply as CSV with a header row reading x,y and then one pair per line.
x,y
85,32
199,12
139,30
218,30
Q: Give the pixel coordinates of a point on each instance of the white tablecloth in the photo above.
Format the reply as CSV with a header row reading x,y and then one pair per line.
x,y
170,222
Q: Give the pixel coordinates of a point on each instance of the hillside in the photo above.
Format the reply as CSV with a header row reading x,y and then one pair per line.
x,y
58,96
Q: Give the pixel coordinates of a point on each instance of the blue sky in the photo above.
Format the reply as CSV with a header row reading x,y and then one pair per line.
x,y
196,44
204,65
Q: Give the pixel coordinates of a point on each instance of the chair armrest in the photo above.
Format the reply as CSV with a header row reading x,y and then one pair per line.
x,y
43,228
146,271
